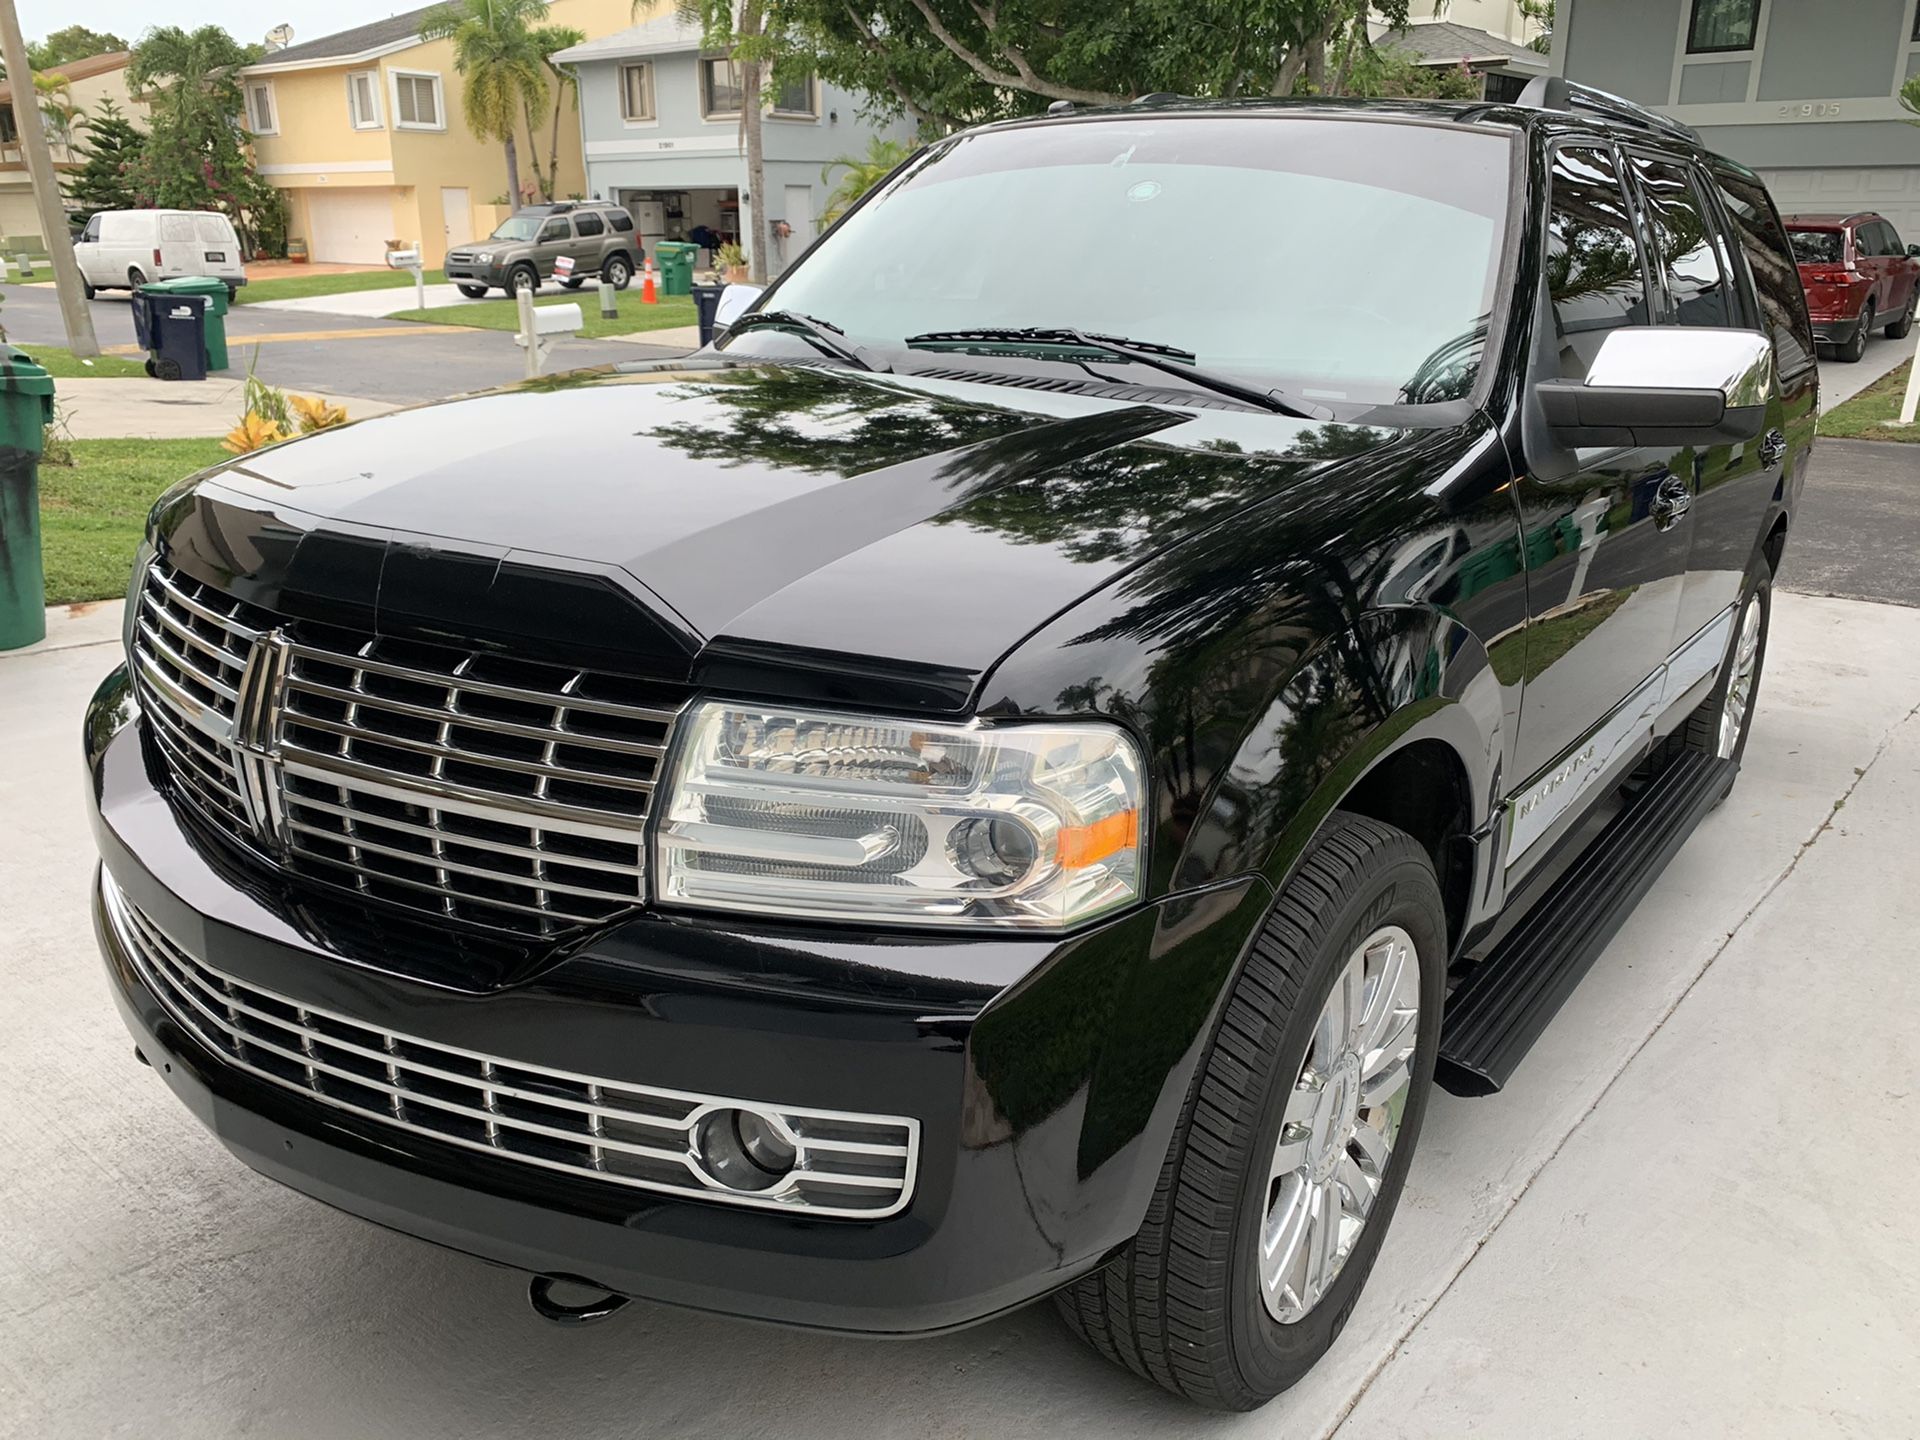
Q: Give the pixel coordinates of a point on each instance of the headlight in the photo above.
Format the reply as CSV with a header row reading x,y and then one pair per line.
x,y
850,817
485,257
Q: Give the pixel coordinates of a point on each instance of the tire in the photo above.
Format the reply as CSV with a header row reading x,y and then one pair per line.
x,y
233,296
618,271
1184,1305
574,282
153,370
86,288
1850,353
522,277
1723,722
1901,328
472,292
136,277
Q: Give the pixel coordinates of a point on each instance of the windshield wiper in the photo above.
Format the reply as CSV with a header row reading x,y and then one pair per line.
x,y
824,335
1167,358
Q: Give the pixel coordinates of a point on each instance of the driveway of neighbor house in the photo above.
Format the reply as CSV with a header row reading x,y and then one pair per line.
x,y
1840,382
1685,1216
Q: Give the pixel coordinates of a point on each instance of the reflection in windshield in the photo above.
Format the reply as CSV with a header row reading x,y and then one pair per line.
x,y
1355,251
516,227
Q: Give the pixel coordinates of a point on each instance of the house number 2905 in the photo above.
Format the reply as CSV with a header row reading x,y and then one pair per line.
x,y
1810,110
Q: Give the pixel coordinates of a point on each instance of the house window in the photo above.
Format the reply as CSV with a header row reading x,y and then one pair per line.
x,y
363,99
416,101
1915,33
260,115
636,92
795,97
720,92
9,131
1718,25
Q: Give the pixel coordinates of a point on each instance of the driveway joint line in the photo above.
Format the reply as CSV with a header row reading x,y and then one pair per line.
x,y
1378,1368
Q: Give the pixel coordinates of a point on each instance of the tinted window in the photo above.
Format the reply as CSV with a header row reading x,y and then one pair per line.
x,y
1775,276
1816,247
1882,238
554,230
1895,245
1722,25
620,220
587,223
1593,262
1684,247
1866,238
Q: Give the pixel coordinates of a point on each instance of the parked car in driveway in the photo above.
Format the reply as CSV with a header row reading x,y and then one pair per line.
x,y
1858,275
995,780
124,249
524,250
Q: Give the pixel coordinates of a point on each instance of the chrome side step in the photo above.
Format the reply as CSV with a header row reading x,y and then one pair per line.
x,y
1498,1011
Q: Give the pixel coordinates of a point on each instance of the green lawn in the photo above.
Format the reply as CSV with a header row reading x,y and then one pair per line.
x,y
298,287
92,511
1862,417
672,311
62,365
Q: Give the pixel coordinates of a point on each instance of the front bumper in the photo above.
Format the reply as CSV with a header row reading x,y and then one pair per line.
x,y
1046,1077
472,272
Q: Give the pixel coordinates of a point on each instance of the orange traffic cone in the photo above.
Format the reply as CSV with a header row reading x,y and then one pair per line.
x,y
648,294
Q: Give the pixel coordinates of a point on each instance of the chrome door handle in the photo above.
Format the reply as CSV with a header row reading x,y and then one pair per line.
x,y
1773,449
1670,502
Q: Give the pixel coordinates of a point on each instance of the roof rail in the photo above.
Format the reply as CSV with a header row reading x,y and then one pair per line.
x,y
1554,92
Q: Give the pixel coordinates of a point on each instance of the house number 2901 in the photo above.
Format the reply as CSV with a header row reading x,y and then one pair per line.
x,y
1810,110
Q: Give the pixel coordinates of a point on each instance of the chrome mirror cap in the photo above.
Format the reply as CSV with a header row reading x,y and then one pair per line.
x,y
1665,386
1737,363
734,302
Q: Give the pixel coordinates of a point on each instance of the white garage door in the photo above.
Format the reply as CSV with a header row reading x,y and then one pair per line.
x,y
350,227
1841,189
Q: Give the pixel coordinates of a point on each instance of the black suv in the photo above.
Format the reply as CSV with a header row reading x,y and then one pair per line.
x,y
995,780
525,250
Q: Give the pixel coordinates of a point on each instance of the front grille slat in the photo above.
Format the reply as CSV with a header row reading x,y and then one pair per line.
x,y
498,791
617,1132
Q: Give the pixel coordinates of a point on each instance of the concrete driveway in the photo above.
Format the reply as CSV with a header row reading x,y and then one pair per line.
x,y
1687,1216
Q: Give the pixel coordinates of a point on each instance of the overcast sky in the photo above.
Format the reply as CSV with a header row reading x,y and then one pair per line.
x,y
244,19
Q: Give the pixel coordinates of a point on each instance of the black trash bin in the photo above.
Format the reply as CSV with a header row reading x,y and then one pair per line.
x,y
706,304
173,330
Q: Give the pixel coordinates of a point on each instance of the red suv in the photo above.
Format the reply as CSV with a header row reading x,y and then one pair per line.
x,y
1857,274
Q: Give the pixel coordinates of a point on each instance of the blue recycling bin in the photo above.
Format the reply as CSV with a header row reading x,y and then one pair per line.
x,y
172,329
706,305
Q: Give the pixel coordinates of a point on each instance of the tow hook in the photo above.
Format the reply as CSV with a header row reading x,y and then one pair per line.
x,y
540,1296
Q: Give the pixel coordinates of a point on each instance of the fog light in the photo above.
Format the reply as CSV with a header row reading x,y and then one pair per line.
x,y
744,1150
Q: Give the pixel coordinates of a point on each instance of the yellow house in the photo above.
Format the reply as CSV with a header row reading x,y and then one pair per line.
x,y
89,82
365,132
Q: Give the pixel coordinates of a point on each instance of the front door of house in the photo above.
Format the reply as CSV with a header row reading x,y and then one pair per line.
x,y
457,213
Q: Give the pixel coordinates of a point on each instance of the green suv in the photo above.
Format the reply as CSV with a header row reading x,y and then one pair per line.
x,y
526,248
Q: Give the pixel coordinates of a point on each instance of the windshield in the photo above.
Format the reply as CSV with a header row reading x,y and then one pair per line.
x,y
1816,247
1340,260
517,227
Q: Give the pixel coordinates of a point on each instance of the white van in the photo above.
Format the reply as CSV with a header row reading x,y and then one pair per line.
x,y
120,249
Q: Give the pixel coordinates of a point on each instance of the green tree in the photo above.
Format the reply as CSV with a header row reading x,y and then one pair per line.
x,y
110,149
503,73
57,106
754,34
196,156
1910,98
1542,12
863,173
76,42
549,40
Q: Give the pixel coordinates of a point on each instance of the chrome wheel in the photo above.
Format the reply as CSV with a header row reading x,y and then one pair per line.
x,y
1746,668
1342,1117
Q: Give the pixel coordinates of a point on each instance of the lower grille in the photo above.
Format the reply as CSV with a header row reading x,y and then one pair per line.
x,y
846,1165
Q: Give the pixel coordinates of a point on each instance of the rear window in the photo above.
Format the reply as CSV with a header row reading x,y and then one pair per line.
x,y
176,227
620,220
1816,247
213,229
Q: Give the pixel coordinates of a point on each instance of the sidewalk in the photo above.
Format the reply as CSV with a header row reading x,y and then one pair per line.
x,y
373,304
142,409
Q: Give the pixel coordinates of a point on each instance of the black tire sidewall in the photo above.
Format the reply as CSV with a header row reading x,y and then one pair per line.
x,y
1857,346
523,277
1271,1356
619,272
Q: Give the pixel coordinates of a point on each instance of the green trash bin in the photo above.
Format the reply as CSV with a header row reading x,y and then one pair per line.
x,y
675,258
26,405
216,292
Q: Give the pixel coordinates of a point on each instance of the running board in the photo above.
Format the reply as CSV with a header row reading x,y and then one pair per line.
x,y
1504,1005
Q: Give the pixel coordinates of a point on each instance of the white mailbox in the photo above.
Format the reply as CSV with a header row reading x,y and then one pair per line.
x,y
403,259
556,320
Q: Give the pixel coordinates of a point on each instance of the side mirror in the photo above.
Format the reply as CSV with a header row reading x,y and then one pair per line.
x,y
1665,386
735,301
1913,250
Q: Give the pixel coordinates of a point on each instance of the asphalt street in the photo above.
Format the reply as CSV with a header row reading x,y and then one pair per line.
x,y
388,360
1859,522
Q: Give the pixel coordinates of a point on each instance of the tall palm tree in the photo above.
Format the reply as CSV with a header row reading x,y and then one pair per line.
x,y
750,32
863,173
549,40
503,73
57,105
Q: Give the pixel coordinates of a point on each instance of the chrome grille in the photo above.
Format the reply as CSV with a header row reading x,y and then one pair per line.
x,y
492,790
190,647
850,1165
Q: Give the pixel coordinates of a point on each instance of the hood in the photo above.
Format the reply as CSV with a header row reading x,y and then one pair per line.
x,y
808,519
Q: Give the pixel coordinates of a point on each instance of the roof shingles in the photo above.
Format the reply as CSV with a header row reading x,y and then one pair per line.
x,y
347,43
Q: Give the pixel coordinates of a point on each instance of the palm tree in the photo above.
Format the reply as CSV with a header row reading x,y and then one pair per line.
x,y
549,40
504,74
57,105
863,173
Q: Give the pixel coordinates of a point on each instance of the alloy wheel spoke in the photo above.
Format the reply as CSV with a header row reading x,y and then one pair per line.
x,y
1370,1148
1284,1238
1358,1186
1380,1087
1323,1247
1384,1002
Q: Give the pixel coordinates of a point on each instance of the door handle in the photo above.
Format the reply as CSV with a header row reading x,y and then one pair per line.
x,y
1671,501
1773,449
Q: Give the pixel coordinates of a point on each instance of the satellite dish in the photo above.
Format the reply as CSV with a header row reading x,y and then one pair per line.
x,y
279,37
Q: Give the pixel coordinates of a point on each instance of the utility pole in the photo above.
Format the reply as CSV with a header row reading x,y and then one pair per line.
x,y
46,187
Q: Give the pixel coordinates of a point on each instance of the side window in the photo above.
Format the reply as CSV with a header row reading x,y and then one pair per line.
x,y
587,223
620,220
1866,239
553,230
91,235
1883,241
1683,244
1594,277
1895,245
1775,276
